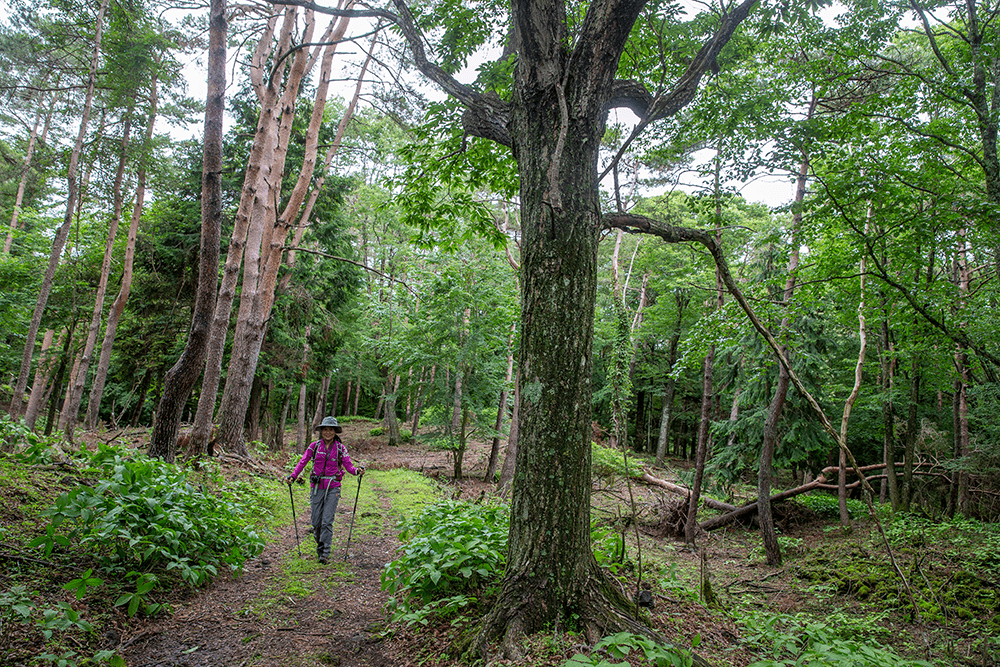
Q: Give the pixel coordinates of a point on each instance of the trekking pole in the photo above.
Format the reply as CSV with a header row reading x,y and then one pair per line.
x,y
294,520
351,530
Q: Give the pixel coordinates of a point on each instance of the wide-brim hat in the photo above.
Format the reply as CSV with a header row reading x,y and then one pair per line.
x,y
330,422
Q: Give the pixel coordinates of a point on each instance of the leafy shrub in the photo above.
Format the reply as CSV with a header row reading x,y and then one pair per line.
x,y
799,642
607,462
144,514
32,448
620,645
377,431
451,552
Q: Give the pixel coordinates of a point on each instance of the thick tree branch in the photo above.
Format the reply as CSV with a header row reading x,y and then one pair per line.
x,y
627,94
486,115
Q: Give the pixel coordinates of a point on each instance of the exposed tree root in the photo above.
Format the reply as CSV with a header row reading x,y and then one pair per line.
x,y
600,607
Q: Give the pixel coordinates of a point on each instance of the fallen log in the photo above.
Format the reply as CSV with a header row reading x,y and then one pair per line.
x,y
685,492
820,482
750,508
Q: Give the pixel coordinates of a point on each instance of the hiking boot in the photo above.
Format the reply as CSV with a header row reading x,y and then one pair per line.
x,y
323,560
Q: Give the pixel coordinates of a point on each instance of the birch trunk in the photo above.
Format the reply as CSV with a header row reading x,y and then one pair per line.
x,y
256,304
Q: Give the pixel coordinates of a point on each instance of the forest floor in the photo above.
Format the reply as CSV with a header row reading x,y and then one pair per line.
x,y
287,609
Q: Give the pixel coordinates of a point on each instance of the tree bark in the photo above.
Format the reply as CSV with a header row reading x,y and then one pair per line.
x,y
254,181
249,332
43,374
59,242
255,311
180,379
491,468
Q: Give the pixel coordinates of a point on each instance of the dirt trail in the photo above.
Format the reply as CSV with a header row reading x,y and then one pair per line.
x,y
318,615
337,624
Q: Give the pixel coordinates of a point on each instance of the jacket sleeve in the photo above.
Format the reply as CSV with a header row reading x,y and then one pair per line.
x,y
306,455
346,461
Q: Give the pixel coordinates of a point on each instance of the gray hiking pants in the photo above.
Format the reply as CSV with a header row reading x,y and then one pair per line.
x,y
323,503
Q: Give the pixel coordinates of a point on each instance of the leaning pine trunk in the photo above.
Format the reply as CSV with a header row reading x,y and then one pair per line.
x,y
118,307
59,242
257,301
253,181
181,377
76,391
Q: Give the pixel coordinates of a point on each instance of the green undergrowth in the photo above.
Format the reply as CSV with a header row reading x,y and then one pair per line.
x,y
408,491
795,640
108,534
951,569
452,556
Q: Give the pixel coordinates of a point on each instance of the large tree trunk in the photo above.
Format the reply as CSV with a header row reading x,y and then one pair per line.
x,y
256,304
59,242
551,571
562,89
181,377
254,182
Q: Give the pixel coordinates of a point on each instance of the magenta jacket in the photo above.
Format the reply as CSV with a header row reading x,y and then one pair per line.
x,y
324,457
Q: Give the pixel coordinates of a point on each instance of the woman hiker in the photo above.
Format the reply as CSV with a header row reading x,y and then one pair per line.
x,y
330,459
